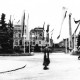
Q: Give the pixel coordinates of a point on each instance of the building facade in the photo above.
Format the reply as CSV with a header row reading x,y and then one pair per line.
x,y
37,36
17,36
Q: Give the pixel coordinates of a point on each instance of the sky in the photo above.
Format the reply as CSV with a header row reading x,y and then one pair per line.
x,y
40,11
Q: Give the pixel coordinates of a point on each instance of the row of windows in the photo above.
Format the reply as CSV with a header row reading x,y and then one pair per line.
x,y
17,42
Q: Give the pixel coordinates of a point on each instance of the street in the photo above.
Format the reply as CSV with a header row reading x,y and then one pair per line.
x,y
62,67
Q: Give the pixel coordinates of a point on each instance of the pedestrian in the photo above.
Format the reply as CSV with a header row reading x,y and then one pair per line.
x,y
46,60
79,57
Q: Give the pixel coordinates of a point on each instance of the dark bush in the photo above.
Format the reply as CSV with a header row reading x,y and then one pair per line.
x,y
17,49
27,49
37,48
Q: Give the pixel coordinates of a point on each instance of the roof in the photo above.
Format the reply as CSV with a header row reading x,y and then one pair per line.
x,y
37,29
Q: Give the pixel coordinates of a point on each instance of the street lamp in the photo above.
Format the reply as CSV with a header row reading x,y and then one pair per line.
x,y
24,41
33,35
51,37
32,40
52,33
24,35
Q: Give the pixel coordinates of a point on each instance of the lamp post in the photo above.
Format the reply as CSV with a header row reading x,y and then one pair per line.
x,y
51,37
24,41
32,40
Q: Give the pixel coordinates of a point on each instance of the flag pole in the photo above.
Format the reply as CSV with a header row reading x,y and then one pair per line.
x,y
24,40
69,44
29,42
70,30
24,43
24,31
62,21
66,45
28,32
74,41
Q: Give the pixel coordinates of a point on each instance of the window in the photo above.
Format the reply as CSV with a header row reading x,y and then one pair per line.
x,y
40,34
33,43
20,42
19,35
16,42
36,37
39,42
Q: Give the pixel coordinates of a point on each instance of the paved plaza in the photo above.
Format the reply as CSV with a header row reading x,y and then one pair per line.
x,y
62,67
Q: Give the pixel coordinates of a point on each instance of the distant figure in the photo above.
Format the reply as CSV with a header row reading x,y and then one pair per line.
x,y
79,52
78,57
46,60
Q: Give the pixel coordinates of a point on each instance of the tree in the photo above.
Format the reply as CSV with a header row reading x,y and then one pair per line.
x,y
10,33
37,48
3,23
6,35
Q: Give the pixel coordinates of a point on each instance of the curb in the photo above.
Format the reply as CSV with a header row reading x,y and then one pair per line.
x,y
13,69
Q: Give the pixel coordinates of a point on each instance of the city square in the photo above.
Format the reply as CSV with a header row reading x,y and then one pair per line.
x,y
39,40
62,67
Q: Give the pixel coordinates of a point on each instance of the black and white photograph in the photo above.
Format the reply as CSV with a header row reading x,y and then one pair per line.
x,y
39,40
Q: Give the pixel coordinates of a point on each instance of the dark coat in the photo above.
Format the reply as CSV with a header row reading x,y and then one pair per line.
x,y
46,57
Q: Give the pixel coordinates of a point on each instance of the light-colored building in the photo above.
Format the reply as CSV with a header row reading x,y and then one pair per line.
x,y
17,36
37,36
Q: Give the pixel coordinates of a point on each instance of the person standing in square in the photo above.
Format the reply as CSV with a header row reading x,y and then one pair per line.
x,y
46,60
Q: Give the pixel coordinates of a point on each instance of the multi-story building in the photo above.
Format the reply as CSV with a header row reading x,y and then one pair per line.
x,y
17,36
37,36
